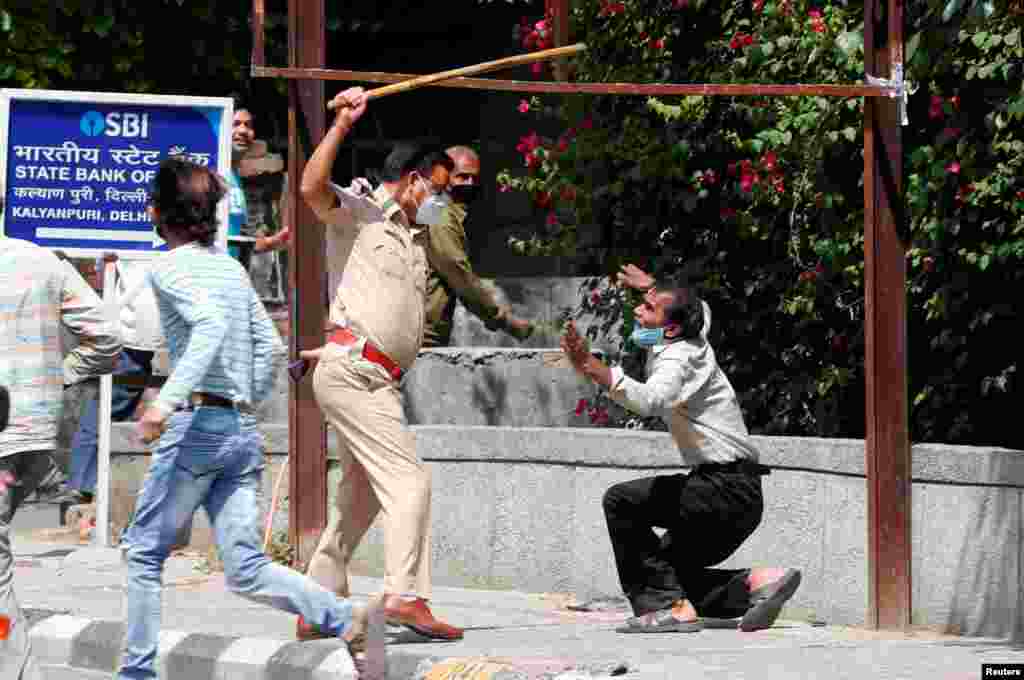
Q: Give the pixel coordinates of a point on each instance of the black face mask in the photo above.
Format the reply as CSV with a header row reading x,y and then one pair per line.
x,y
465,193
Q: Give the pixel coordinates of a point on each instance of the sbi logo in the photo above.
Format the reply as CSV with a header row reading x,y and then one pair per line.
x,y
115,124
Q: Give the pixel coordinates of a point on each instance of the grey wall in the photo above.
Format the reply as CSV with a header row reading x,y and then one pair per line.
x,y
521,508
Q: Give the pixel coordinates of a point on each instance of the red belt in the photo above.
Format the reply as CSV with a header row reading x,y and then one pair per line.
x,y
343,336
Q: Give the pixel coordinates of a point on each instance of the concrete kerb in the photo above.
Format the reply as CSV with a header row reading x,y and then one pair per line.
x,y
89,646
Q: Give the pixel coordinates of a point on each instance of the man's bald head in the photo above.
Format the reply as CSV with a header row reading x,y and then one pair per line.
x,y
467,166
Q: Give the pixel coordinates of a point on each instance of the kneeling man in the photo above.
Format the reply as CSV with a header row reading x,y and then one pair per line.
x,y
707,513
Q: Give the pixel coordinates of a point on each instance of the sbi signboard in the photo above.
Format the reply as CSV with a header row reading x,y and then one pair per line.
x,y
76,167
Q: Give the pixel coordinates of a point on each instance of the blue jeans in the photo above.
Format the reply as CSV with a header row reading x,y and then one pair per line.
x,y
124,400
212,457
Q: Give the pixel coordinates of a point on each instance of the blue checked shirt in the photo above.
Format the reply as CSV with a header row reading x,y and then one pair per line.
x,y
220,338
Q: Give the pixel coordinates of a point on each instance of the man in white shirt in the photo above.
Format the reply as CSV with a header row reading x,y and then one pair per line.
x,y
707,513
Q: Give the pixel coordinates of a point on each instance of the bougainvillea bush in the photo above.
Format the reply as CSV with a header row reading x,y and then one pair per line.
x,y
759,200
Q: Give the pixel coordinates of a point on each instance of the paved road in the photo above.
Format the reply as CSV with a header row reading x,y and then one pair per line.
x,y
534,630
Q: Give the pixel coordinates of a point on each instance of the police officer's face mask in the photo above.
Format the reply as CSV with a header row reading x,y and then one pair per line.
x,y
432,210
465,193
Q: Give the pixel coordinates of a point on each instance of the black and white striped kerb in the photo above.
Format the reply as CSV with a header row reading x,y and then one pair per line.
x,y
89,645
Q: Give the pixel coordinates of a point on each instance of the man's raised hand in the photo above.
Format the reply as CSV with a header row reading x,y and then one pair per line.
x,y
350,105
633,277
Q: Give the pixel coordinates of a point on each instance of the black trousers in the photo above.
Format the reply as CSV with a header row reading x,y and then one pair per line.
x,y
707,514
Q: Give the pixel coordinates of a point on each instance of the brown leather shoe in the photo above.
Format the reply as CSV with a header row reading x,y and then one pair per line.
x,y
416,616
307,631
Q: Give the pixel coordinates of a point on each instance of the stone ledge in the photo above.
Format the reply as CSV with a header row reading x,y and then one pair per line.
x,y
637,450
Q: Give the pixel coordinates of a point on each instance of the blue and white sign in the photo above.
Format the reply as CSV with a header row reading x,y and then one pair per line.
x,y
77,166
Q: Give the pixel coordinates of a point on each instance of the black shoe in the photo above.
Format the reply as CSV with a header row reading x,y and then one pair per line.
x,y
766,602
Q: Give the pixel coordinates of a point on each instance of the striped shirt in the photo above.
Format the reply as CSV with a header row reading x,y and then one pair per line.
x,y
219,336
43,302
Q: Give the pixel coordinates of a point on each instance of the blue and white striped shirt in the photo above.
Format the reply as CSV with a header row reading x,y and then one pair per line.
x,y
219,335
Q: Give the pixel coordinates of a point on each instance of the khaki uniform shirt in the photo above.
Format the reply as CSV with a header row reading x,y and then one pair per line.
x,y
452,277
378,267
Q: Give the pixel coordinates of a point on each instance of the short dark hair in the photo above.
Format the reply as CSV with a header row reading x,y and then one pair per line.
x,y
186,196
241,103
407,157
686,310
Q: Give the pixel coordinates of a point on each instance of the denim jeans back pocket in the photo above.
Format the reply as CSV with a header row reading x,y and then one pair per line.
x,y
216,420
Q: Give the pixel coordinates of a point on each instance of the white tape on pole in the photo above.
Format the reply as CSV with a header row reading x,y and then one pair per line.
x,y
101,537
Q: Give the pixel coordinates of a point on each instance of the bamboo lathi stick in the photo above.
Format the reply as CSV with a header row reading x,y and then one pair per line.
x,y
476,69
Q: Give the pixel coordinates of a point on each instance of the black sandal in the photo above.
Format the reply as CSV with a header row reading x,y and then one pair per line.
x,y
766,602
660,621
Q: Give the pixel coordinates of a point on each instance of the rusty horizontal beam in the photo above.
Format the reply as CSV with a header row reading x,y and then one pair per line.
x,y
650,89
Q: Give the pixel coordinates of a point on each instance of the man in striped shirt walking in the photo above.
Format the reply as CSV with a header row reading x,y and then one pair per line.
x,y
207,449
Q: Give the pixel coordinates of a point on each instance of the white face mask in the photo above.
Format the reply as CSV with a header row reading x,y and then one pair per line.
x,y
432,210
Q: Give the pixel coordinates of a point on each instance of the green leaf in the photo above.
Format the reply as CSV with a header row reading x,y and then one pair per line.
x,y
952,7
851,41
1012,38
912,45
6,71
850,133
5,21
102,25
984,262
979,39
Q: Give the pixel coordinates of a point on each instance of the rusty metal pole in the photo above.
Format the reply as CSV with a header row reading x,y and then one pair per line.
x,y
558,10
307,437
887,439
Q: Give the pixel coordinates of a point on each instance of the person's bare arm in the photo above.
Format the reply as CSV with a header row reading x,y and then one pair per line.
x,y
316,178
633,277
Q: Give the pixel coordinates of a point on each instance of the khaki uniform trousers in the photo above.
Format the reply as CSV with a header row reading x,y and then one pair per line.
x,y
380,472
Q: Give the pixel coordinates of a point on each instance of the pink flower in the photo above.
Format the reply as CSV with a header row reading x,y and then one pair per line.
x,y
552,220
586,124
563,144
504,188
658,44
528,143
6,479
768,161
595,297
935,109
598,416
611,8
758,6
748,40
568,194
543,199
680,4
709,177
581,406
524,106
747,183
953,168
537,68
814,13
727,213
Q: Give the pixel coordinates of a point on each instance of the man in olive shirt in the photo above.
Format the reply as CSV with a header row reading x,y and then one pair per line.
x,y
451,274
